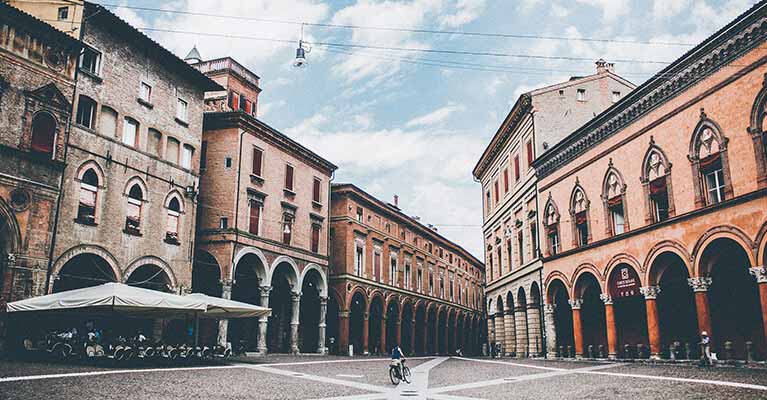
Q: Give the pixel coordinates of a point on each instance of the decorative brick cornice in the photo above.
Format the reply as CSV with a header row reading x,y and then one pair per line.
x,y
740,36
520,109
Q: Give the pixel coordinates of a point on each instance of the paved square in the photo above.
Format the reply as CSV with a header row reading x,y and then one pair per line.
x,y
438,378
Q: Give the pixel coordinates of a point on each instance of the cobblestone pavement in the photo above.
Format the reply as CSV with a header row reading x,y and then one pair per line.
x,y
438,378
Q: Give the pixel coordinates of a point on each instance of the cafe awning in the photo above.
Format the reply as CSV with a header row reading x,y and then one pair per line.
x,y
224,309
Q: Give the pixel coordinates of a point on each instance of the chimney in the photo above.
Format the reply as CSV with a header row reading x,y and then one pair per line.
x,y
604,66
396,201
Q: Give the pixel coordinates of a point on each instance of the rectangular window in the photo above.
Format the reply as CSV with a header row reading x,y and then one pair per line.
x,y
451,290
86,210
407,276
659,199
146,92
497,192
203,155
617,219
509,254
258,156
315,238
505,180
431,283
529,153
130,132
489,201
358,257
554,242
181,107
90,61
287,229
243,102
187,152
534,240
172,149
248,107
85,110
359,214
63,13
234,101
289,177
516,168
419,280
393,272
616,96
316,190
172,232
255,217
713,179
521,247
227,162
133,215
377,265
582,228
581,95
223,223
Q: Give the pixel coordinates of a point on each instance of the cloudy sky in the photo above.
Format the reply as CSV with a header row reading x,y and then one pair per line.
x,y
415,123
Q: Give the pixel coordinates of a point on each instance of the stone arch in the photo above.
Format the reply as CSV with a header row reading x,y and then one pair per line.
x,y
490,307
207,273
175,193
88,249
57,126
263,271
708,145
407,300
376,294
583,268
14,231
323,284
652,166
521,297
350,295
535,294
392,297
92,164
151,260
665,246
292,275
757,129
624,258
761,242
133,181
579,207
718,232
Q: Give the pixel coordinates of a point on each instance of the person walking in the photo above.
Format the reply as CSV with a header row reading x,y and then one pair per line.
x,y
705,349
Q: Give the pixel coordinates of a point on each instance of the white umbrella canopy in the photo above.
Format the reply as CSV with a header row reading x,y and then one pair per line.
x,y
113,298
224,309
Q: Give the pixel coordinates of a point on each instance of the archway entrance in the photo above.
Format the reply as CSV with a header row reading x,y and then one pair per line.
x,y
331,320
81,271
593,328
431,326
442,332
206,279
309,321
392,317
374,325
278,336
520,314
249,273
451,326
357,322
676,302
563,318
420,329
407,329
629,306
733,298
153,277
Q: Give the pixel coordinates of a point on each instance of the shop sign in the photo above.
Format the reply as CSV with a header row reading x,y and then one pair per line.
x,y
624,282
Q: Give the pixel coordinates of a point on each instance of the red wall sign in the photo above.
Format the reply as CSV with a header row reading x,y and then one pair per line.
x,y
624,282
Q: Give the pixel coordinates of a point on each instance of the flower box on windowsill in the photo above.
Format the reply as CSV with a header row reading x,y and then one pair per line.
x,y
145,103
89,221
172,238
256,179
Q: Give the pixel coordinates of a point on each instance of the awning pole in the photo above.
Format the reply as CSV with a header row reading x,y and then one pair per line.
x,y
196,329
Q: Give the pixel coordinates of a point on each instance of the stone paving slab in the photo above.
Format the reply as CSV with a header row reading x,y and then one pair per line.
x,y
456,372
374,372
604,387
741,375
233,383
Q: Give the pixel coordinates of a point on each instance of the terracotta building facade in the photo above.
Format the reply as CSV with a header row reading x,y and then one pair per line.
x,y
264,207
37,70
537,121
654,224
396,281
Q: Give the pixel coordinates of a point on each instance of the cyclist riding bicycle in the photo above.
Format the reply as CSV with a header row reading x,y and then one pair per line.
x,y
397,358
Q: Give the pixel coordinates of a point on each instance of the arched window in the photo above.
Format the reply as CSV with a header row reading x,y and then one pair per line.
x,y
708,155
108,121
43,133
133,211
656,182
758,131
614,200
551,223
172,149
130,132
174,212
579,213
89,187
154,142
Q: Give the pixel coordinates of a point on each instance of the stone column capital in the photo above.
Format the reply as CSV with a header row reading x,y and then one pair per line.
x,y
227,282
650,292
344,314
759,273
606,298
699,284
365,316
549,308
575,304
295,296
264,290
323,301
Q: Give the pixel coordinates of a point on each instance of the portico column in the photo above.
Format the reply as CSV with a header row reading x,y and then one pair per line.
x,y
653,328
365,334
575,304
382,337
399,332
551,330
490,329
343,332
612,334
500,332
700,286
533,330
760,273
264,320
412,336
296,298
323,315
436,335
223,325
510,345
521,325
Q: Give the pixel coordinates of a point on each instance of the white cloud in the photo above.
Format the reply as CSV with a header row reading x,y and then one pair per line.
x,y
611,9
466,11
668,8
559,11
436,117
264,108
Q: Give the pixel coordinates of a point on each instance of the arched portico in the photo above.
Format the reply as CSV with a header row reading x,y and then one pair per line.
x,y
284,300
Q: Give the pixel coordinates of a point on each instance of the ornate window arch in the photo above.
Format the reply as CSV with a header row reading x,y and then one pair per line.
x,y
579,214
174,206
657,185
614,201
90,180
758,131
44,127
551,226
710,163
136,193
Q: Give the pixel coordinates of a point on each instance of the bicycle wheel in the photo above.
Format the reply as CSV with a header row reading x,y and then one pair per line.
x,y
394,376
406,374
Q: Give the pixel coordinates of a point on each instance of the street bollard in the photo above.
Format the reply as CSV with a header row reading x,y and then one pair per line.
x,y
602,351
591,351
749,351
570,352
627,351
562,352
687,351
672,351
640,351
728,350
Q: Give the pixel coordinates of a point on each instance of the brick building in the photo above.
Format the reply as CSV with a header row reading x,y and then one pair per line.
x,y
538,120
394,280
128,203
654,218
262,236
37,70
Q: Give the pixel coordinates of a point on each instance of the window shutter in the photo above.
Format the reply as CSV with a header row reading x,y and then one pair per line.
x,y
257,156
516,167
255,216
316,190
529,154
315,238
203,155
234,101
289,177
248,107
505,180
